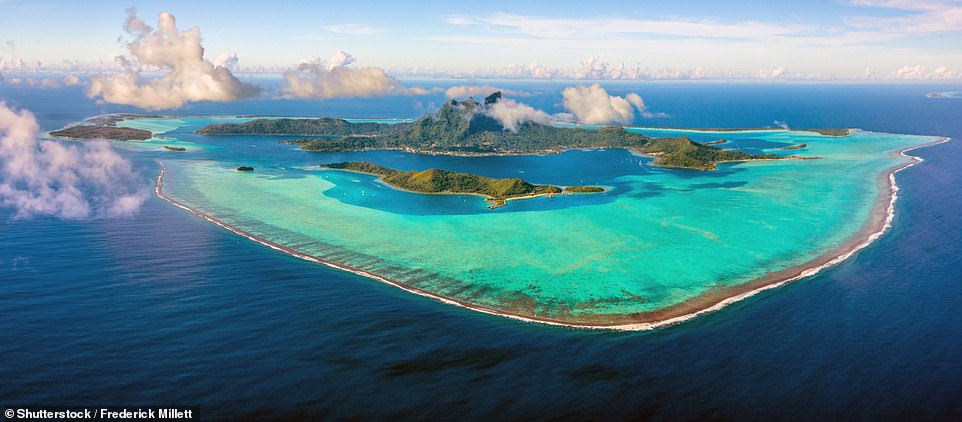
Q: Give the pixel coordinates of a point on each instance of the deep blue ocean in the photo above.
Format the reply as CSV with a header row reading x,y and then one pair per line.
x,y
166,309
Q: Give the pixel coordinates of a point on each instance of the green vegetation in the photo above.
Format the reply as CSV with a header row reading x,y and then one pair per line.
x,y
324,126
103,132
584,189
334,144
466,128
789,148
245,168
685,153
830,132
179,149
498,191
362,167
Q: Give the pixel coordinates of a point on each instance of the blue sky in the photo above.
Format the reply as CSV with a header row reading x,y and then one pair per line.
x,y
839,38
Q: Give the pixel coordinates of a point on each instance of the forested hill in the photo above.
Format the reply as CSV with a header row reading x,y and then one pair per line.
x,y
467,127
324,126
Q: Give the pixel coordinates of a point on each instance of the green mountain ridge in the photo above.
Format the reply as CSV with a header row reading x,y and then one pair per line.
x,y
466,128
324,126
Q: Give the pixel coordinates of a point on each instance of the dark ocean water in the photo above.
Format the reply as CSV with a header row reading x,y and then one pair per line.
x,y
165,309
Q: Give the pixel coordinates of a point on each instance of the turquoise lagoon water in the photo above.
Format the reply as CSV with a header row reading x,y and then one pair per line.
x,y
657,238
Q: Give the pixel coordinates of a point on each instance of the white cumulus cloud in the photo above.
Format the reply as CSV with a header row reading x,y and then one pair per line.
x,y
511,114
337,79
228,61
189,77
49,178
593,105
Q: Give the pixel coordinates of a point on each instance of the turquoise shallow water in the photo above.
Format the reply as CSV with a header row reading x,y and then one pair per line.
x,y
660,237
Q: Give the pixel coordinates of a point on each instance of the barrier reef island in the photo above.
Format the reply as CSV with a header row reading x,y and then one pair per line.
x,y
644,226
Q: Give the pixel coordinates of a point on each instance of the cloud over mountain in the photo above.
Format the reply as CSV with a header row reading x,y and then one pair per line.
x,y
511,114
188,76
49,178
474,90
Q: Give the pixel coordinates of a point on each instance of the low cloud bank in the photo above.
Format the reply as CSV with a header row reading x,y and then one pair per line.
x,y
71,80
188,76
335,78
919,72
49,178
464,91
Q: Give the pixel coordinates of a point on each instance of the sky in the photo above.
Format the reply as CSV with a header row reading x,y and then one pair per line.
x,y
833,39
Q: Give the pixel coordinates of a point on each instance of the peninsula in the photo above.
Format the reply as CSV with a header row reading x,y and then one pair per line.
x,y
468,128
497,191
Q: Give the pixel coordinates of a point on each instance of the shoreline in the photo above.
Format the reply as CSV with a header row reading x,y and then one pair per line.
x,y
879,223
848,131
489,199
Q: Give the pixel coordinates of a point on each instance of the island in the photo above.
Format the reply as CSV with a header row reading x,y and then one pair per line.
x,y
178,149
467,128
245,168
324,126
496,191
794,147
584,189
113,133
830,132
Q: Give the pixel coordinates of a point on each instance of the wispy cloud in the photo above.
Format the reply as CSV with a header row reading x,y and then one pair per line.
x,y
608,27
918,16
353,29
